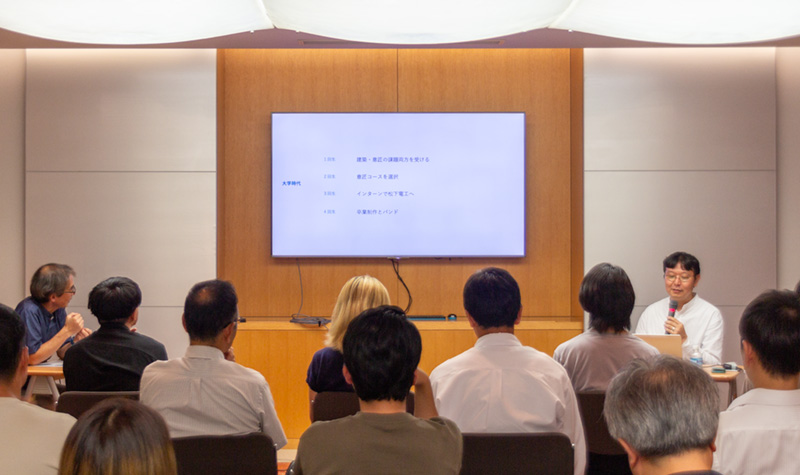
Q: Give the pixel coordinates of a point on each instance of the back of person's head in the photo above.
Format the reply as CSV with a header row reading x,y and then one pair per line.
x,y
492,298
209,308
662,406
358,294
686,260
771,325
50,279
114,299
118,437
12,340
381,353
607,295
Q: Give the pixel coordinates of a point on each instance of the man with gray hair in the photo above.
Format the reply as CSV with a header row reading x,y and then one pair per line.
x,y
664,411
49,328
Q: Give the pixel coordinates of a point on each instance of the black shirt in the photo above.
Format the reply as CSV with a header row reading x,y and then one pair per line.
x,y
110,359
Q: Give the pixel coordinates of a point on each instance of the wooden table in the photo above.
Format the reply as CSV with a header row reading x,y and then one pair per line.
x,y
49,371
729,377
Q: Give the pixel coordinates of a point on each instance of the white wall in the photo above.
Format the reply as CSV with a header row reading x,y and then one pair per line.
x,y
121,174
680,154
12,175
788,74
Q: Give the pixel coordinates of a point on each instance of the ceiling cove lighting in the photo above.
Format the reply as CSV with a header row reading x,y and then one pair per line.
x,y
402,22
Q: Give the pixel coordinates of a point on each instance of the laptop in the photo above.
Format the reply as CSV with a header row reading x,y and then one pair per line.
x,y
665,344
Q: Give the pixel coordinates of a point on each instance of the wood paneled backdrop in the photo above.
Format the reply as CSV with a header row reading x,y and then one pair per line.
x,y
545,84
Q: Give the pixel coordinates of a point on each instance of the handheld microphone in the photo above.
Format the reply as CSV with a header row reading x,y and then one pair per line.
x,y
673,305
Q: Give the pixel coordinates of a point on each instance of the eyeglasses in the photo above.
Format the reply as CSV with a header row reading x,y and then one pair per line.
x,y
239,320
684,278
71,290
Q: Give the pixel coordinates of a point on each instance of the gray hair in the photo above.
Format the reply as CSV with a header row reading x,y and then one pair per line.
x,y
50,279
662,406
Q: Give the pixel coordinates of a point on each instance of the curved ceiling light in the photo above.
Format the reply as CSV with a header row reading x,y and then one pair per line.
x,y
132,22
685,21
414,21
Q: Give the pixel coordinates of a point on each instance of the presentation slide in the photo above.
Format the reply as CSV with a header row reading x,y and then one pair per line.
x,y
398,184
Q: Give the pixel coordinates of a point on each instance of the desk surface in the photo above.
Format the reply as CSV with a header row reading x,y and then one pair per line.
x,y
725,377
56,372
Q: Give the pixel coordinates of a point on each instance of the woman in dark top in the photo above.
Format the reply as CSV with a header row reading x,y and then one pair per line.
x,y
325,371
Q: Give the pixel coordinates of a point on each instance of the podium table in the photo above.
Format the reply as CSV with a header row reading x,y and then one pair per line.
x,y
51,371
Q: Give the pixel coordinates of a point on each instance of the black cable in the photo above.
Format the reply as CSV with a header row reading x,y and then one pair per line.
x,y
301,317
396,267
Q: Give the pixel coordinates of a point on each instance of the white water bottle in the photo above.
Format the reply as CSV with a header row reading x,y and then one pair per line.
x,y
696,357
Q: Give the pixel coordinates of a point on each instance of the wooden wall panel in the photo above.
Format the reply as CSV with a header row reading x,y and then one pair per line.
x,y
256,83
536,82
542,83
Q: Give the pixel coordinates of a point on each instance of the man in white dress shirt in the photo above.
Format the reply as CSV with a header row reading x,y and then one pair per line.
x,y
760,431
501,385
697,322
206,392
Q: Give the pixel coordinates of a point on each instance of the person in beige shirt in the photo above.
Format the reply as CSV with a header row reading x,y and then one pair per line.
x,y
32,437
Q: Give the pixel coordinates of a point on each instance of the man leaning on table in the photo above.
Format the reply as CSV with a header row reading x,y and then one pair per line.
x,y
31,437
760,431
698,323
49,328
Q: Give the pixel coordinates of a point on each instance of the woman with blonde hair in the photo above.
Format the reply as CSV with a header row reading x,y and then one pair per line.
x,y
325,371
118,437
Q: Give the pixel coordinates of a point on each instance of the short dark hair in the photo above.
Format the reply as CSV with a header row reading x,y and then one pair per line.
x,y
381,353
686,260
114,299
50,279
12,340
210,307
607,295
118,435
662,406
492,298
771,325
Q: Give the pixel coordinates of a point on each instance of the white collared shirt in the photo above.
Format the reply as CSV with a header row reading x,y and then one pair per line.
x,y
500,385
205,394
701,320
760,433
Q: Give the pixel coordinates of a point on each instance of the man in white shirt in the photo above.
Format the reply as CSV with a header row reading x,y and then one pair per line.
x,y
664,412
501,385
698,323
206,392
31,437
760,431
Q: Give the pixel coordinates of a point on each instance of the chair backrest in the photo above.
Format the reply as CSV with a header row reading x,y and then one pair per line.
x,y
76,403
334,405
248,454
542,452
598,440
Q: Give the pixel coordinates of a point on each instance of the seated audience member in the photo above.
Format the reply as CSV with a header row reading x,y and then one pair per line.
x,y
501,385
664,411
325,371
113,357
381,352
206,392
593,358
760,431
121,437
30,437
698,323
49,328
